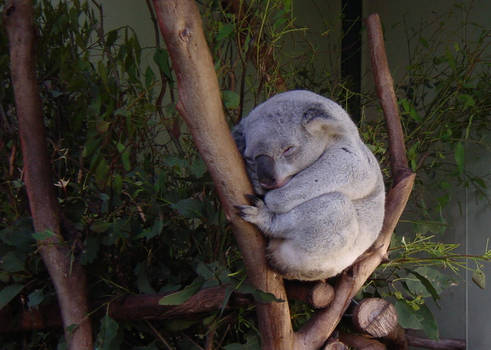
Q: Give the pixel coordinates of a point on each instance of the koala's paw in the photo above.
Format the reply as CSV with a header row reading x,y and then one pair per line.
x,y
257,213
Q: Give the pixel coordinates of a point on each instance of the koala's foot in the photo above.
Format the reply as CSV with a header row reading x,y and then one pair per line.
x,y
257,213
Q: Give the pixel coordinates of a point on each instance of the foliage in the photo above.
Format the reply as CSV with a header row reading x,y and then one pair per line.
x,y
138,205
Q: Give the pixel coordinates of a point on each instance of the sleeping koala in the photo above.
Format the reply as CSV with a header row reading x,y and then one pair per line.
x,y
322,189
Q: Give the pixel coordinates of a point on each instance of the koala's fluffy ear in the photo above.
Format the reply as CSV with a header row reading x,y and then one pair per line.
x,y
316,121
239,137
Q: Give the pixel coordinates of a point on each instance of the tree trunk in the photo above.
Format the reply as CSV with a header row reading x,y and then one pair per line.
x,y
67,276
201,107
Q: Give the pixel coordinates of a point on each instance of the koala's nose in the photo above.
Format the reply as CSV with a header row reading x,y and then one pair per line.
x,y
265,171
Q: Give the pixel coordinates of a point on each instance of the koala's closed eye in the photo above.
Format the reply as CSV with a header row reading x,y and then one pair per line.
x,y
289,151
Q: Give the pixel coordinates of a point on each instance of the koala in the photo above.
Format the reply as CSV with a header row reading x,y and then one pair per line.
x,y
319,189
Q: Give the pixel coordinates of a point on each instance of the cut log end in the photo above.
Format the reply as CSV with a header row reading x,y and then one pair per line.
x,y
335,345
375,316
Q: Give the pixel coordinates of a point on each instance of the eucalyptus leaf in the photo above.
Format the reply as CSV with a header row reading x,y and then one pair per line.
x,y
181,296
43,235
407,316
8,293
35,298
231,99
459,157
10,262
479,278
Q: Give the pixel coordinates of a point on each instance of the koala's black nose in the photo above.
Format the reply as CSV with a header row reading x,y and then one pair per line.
x,y
265,171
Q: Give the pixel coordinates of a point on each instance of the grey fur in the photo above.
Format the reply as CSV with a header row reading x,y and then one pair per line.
x,y
323,189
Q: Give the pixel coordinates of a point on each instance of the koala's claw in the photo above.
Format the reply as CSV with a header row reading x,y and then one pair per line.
x,y
257,214
253,199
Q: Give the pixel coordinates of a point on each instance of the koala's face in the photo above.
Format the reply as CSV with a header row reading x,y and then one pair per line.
x,y
288,133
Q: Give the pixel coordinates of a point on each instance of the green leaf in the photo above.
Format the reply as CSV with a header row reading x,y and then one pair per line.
x,y
258,295
189,208
107,333
231,99
152,232
149,77
479,278
198,168
8,293
428,322
161,58
35,298
142,281
459,157
101,173
19,235
428,289
89,254
10,262
407,315
224,31
181,296
100,226
112,36
125,158
43,235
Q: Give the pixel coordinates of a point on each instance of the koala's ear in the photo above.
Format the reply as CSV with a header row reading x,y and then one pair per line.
x,y
315,120
239,137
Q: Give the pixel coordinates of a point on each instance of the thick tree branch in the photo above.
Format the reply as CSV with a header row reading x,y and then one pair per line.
x,y
125,308
69,279
201,107
318,329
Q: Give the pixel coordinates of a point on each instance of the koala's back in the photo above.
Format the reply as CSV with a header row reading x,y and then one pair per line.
x,y
330,231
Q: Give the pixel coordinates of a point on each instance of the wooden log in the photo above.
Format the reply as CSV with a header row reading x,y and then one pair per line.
x,y
318,294
376,317
440,344
335,345
360,342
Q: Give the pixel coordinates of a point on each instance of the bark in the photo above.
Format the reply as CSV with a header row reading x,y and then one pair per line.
x,y
318,294
68,278
125,308
441,344
200,106
387,97
335,345
359,342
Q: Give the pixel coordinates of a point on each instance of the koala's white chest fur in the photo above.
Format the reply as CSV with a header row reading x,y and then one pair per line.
x,y
323,203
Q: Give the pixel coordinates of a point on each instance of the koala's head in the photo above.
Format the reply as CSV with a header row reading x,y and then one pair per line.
x,y
287,133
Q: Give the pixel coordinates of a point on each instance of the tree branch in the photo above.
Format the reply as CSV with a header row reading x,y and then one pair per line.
x,y
201,107
318,329
69,279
